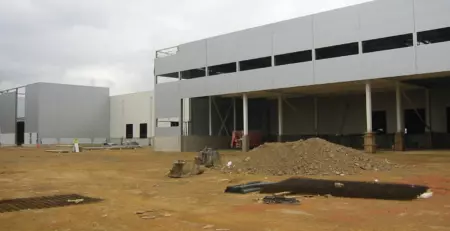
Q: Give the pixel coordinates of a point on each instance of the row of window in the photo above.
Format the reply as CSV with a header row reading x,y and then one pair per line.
x,y
142,131
368,46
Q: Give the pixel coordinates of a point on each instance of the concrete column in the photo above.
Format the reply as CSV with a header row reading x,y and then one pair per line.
x,y
399,144
245,138
280,119
369,139
210,115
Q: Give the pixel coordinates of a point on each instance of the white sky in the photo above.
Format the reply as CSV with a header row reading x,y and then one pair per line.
x,y
111,43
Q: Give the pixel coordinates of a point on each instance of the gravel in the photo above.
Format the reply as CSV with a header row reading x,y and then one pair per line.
x,y
308,157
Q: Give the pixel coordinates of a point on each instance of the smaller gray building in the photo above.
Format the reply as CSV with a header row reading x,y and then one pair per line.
x,y
54,114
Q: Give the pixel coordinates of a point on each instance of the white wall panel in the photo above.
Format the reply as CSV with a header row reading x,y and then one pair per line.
x,y
8,139
293,35
190,56
388,63
255,80
222,49
170,131
299,74
335,70
192,87
386,18
433,57
8,112
222,84
255,43
167,100
336,27
432,14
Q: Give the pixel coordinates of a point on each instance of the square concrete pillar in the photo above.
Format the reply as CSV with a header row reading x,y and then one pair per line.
x,y
279,139
399,142
369,143
245,143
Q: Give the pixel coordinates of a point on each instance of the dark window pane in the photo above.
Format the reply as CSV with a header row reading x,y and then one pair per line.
x,y
433,36
379,122
388,43
222,69
174,124
143,131
415,121
129,131
255,63
194,73
337,51
296,57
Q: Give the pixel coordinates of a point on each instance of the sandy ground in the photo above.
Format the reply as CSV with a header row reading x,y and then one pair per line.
x,y
131,181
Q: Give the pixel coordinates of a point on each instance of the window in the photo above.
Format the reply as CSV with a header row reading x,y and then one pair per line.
x,y
337,51
379,122
222,69
167,122
388,43
129,131
143,131
255,63
164,78
194,73
433,36
296,57
415,121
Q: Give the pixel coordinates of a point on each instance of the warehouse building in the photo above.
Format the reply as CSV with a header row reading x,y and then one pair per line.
x,y
47,113
373,75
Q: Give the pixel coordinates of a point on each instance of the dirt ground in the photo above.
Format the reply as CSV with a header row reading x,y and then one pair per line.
x,y
131,181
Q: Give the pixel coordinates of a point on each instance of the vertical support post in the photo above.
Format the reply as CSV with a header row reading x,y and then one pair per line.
x,y
15,116
245,138
369,139
234,114
399,144
154,119
210,115
181,123
316,116
280,118
428,128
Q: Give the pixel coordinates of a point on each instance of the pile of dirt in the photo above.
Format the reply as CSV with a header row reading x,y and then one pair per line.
x,y
308,157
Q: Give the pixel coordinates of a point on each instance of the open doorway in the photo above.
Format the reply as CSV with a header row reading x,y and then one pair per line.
x,y
20,133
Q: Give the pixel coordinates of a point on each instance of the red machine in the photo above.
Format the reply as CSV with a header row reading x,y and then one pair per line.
x,y
255,139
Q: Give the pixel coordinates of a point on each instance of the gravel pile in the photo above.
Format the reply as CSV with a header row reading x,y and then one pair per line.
x,y
308,157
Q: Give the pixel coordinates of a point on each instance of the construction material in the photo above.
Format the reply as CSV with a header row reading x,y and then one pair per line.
x,y
280,200
250,187
19,204
351,189
308,157
57,151
209,158
177,169
255,139
180,168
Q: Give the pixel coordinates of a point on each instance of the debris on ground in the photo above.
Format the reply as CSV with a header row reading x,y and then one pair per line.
x,y
76,201
152,214
280,200
209,158
314,156
182,168
349,189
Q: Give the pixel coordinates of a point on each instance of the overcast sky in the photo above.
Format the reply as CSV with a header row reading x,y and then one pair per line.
x,y
111,42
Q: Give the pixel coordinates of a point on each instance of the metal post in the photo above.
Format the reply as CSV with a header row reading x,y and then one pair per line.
x,y
398,98
210,115
280,117
369,107
15,115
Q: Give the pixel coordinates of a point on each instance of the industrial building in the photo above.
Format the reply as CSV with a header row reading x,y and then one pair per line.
x,y
48,113
373,75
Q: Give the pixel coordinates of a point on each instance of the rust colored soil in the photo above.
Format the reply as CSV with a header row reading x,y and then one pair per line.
x,y
138,196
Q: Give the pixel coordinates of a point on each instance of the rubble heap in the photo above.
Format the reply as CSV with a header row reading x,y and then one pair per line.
x,y
309,157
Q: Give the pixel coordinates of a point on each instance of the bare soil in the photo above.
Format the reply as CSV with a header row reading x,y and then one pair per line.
x,y
138,196
309,157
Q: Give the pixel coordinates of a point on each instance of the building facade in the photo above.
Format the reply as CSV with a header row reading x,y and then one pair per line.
x,y
375,70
